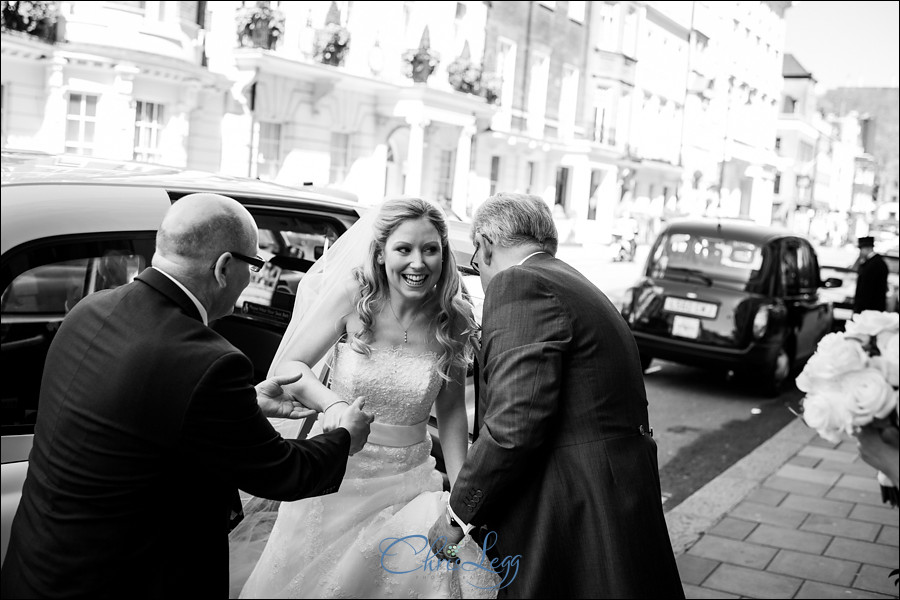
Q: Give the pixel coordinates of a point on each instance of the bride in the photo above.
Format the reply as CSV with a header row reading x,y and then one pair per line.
x,y
385,304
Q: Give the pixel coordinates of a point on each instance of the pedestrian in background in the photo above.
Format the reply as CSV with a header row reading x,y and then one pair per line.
x,y
871,281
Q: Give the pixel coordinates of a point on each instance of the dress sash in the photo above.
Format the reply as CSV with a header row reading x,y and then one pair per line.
x,y
397,436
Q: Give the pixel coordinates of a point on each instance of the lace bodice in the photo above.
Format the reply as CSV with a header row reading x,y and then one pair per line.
x,y
399,385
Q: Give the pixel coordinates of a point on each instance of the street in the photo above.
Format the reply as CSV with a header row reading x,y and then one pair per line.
x,y
703,421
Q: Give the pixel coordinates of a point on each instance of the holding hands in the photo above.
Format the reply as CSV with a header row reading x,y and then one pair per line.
x,y
353,419
878,446
276,403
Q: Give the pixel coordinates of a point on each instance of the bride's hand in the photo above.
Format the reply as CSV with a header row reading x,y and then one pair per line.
x,y
276,403
331,416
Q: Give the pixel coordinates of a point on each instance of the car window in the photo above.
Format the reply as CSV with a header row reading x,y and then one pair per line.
x,y
806,268
677,255
290,243
41,284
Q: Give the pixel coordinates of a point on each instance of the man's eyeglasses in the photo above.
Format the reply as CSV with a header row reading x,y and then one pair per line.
x,y
256,262
472,262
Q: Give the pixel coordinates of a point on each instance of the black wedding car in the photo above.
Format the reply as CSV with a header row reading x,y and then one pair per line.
x,y
733,295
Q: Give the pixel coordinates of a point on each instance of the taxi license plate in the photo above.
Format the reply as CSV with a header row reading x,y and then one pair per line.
x,y
686,327
690,307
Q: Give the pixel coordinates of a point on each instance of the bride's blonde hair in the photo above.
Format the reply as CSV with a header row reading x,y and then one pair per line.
x,y
454,324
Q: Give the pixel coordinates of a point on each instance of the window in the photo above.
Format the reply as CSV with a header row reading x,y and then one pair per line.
x,y
568,102
562,185
137,7
778,143
46,280
81,122
495,174
340,157
603,123
537,94
445,176
777,187
267,150
529,185
148,124
576,11
609,34
506,69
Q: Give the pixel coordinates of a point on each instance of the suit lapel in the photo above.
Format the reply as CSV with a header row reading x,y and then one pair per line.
x,y
167,288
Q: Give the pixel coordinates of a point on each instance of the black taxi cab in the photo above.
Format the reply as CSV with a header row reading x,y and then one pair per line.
x,y
732,295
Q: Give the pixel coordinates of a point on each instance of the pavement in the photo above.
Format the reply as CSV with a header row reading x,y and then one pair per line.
x,y
799,517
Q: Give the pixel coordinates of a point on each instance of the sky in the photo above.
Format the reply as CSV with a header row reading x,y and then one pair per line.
x,y
846,44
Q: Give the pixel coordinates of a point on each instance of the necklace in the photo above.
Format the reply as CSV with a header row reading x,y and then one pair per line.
x,y
400,323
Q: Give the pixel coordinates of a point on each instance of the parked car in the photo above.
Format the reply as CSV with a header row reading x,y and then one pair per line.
x,y
731,295
842,297
73,225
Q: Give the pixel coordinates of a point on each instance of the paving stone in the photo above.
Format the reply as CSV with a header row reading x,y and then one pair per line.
x,y
864,552
694,569
858,468
856,482
790,539
766,496
692,591
875,514
811,566
735,529
773,515
827,454
889,535
807,474
823,443
797,487
805,461
875,579
819,506
816,589
847,528
734,552
763,584
848,446
870,496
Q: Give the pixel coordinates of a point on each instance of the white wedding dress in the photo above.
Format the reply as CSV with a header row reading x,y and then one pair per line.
x,y
368,540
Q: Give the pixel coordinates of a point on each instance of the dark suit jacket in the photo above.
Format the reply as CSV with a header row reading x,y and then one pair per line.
x,y
148,424
871,285
564,469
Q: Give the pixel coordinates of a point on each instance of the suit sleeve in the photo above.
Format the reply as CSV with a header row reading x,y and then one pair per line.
x,y
225,429
525,334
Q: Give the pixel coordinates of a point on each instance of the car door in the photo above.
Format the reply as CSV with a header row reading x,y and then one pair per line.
x,y
808,316
42,281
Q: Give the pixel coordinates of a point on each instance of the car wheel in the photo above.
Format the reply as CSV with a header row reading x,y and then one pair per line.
x,y
776,374
646,359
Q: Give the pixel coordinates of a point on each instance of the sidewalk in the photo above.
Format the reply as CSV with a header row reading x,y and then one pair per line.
x,y
799,517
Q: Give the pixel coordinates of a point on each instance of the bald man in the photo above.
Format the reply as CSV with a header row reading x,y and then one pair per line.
x,y
149,424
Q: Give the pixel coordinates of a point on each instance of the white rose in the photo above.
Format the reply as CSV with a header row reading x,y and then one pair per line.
x,y
871,396
888,363
872,322
834,356
827,413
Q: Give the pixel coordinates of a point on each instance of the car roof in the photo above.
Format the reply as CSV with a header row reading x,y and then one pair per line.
x,y
738,229
87,195
35,168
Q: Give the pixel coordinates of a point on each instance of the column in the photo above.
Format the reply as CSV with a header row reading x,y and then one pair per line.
x,y
414,155
461,175
117,115
52,134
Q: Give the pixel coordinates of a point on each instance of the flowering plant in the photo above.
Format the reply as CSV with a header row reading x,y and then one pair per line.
x,y
852,380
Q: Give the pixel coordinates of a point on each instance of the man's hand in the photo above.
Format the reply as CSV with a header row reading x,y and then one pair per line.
x,y
878,450
357,422
276,403
444,539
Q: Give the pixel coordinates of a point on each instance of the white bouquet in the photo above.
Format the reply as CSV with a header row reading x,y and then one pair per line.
x,y
852,379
